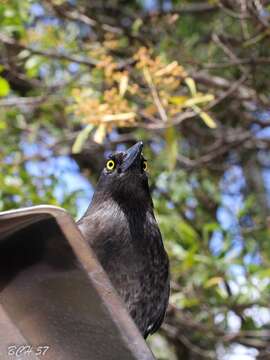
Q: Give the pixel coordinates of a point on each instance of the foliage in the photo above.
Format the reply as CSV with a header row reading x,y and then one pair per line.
x,y
190,78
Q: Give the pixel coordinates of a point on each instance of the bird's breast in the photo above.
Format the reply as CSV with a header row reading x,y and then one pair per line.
x,y
129,246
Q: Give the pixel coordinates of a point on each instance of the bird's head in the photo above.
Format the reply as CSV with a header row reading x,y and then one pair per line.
x,y
124,177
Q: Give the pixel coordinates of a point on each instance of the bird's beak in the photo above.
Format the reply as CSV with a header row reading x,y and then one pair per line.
x,y
132,155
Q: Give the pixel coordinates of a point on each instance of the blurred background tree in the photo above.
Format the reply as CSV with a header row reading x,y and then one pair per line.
x,y
191,79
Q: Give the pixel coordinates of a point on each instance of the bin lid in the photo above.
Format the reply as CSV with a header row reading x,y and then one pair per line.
x,y
55,298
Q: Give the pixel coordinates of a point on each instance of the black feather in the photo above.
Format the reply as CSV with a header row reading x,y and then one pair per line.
x,y
121,228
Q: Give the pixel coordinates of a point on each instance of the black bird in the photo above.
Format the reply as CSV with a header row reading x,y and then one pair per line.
x,y
121,228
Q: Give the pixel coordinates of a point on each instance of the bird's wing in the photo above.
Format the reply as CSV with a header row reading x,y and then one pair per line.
x,y
154,326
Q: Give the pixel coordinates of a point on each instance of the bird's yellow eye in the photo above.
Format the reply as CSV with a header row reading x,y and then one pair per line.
x,y
110,165
144,165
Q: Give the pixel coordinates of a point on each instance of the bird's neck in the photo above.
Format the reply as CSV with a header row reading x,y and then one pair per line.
x,y
107,220
106,203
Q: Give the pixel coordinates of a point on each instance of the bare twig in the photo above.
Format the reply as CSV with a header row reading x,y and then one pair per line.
x,y
242,92
213,155
23,101
75,15
172,332
234,87
237,62
90,62
155,95
186,9
48,53
227,51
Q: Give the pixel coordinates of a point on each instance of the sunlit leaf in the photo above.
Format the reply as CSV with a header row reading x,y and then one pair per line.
x,y
81,139
100,134
199,100
117,117
123,85
32,65
179,100
4,87
208,120
3,124
216,280
136,25
185,101
167,69
191,85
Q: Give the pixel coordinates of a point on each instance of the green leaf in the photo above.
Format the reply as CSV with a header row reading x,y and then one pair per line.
x,y
187,232
32,65
179,100
4,87
265,273
172,147
199,99
185,101
136,26
208,120
214,281
191,85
